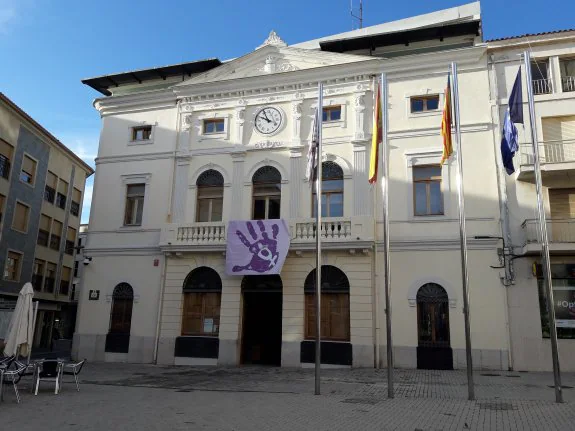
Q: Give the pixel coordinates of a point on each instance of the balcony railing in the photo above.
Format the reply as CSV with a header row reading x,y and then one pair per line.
x,y
4,167
49,285
75,208
568,83
43,237
549,152
331,229
37,280
542,86
49,194
302,231
55,242
559,230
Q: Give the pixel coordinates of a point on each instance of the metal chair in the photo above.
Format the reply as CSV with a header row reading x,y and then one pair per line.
x,y
7,360
13,377
73,370
50,371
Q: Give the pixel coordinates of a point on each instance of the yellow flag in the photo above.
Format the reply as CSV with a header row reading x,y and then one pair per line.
x,y
375,139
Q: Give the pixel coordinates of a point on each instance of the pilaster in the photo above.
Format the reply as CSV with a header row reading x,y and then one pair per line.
x,y
238,159
296,183
362,196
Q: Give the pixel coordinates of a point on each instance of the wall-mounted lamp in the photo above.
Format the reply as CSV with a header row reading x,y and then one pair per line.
x,y
87,260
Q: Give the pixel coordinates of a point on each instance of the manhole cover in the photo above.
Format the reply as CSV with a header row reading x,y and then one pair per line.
x,y
490,374
369,401
496,406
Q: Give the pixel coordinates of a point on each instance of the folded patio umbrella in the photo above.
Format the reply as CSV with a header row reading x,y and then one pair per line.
x,y
21,328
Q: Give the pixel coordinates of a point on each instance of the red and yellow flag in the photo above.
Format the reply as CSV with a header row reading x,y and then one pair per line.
x,y
376,137
446,124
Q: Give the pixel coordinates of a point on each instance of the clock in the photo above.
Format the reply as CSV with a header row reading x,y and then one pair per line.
x,y
268,120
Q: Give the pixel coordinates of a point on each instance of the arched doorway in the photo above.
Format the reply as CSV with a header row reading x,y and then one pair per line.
x,y
433,347
118,338
262,320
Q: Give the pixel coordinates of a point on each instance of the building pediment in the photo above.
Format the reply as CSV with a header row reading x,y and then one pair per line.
x,y
272,59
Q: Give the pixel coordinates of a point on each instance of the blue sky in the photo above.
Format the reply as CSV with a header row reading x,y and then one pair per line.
x,y
47,47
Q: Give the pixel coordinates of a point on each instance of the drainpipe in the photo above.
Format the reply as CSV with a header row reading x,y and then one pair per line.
x,y
503,209
160,307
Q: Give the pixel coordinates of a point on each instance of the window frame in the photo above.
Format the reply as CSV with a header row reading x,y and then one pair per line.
x,y
329,193
144,127
428,183
33,175
7,161
200,188
326,110
2,205
135,179
209,287
425,98
18,270
139,200
27,216
266,195
216,121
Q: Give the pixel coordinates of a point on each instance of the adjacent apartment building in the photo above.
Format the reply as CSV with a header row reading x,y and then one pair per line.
x,y
41,192
185,149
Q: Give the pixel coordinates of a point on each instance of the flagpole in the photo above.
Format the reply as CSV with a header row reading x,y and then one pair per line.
x,y
543,231
462,235
318,241
386,260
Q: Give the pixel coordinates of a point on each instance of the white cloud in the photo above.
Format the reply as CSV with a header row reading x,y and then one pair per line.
x,y
85,147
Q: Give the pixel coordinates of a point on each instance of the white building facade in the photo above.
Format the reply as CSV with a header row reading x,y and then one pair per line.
x,y
181,155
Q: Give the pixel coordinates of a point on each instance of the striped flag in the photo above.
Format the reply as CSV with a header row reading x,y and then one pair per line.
x,y
446,124
376,137
311,169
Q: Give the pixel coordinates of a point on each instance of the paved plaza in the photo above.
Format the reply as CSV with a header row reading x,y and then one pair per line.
x,y
146,397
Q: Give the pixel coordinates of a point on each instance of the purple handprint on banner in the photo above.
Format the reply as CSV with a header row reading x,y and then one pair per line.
x,y
263,250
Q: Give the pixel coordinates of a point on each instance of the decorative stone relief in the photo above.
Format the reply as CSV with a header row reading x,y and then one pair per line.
x,y
296,121
240,120
273,40
271,65
359,104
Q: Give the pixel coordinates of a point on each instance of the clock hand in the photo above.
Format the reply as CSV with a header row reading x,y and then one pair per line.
x,y
266,115
265,118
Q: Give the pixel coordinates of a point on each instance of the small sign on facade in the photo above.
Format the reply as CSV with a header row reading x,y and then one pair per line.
x,y
94,295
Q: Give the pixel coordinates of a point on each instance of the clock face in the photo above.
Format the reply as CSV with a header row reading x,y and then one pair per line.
x,y
268,120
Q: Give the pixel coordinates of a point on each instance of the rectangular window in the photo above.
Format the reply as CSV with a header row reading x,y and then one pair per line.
x,y
331,113
44,230
62,193
567,68
216,125
334,316
12,268
50,277
6,151
20,220
134,204
50,188
427,195
141,133
28,172
540,76
564,297
56,236
70,241
2,200
38,276
76,199
266,201
76,266
201,313
424,103
65,281
331,198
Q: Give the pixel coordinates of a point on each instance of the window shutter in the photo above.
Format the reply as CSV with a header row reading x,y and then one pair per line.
x,y
57,228
71,235
20,217
559,128
63,187
45,223
77,195
562,202
6,149
29,165
51,180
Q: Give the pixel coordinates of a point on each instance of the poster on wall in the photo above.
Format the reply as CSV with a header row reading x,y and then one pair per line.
x,y
564,298
256,247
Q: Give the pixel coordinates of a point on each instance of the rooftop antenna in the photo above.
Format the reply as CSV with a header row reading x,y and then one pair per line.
x,y
356,15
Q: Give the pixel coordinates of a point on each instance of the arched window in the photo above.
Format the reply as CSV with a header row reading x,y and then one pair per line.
x,y
334,304
331,191
202,300
266,193
210,196
121,314
432,316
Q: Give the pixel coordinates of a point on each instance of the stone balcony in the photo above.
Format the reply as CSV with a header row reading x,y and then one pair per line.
x,y
336,233
557,160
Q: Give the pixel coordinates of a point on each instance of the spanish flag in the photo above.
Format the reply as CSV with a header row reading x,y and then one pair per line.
x,y
446,124
375,138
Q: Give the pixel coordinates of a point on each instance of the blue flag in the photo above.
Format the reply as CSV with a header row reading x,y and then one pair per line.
x,y
513,114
